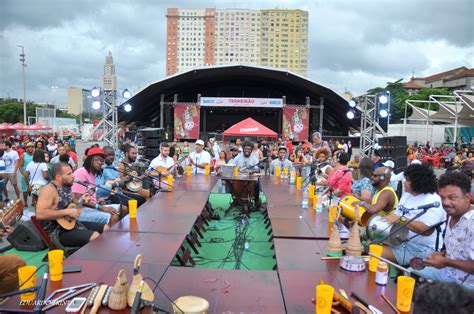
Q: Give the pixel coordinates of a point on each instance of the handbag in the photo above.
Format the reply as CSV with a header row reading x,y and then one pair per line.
x,y
35,188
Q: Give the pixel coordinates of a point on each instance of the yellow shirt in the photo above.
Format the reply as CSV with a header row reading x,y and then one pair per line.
x,y
376,197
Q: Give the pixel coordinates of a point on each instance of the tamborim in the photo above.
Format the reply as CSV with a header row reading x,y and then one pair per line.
x,y
134,185
378,229
349,211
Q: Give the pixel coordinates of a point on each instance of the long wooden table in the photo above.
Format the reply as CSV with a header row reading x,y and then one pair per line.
x,y
162,224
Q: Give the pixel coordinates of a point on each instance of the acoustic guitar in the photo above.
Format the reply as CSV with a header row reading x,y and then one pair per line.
x,y
68,222
162,170
12,213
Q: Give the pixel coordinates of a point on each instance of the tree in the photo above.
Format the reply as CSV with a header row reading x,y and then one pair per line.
x,y
11,111
423,94
397,95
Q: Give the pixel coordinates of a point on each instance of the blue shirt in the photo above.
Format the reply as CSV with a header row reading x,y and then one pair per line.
x,y
107,175
362,184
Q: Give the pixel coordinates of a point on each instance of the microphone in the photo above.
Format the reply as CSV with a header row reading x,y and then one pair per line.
x,y
127,164
137,302
83,183
41,293
425,207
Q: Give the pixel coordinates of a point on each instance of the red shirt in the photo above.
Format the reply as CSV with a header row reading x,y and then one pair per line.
x,y
341,179
73,156
289,145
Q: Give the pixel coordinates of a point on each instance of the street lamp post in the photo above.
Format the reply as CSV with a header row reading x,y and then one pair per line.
x,y
23,65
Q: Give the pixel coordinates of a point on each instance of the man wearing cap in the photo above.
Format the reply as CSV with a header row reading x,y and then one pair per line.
x,y
319,143
88,173
394,178
199,159
24,160
281,162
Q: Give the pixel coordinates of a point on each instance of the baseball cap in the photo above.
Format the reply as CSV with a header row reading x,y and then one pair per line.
x,y
96,151
389,164
200,142
30,144
416,162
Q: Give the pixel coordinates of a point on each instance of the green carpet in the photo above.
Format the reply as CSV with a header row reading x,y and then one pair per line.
x,y
220,250
31,258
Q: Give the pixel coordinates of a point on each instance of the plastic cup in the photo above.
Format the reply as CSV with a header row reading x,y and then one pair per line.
x,y
299,182
189,170
132,208
332,213
405,287
236,171
311,188
169,181
286,171
24,274
373,262
315,201
324,296
55,260
277,172
207,170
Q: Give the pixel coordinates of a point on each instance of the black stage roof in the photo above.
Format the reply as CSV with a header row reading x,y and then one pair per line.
x,y
237,81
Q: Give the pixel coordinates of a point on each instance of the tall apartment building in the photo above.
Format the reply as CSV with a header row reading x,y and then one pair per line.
x,y
202,37
77,100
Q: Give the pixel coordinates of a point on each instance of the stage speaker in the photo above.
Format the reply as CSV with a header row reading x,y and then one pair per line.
x,y
393,141
25,237
153,132
153,142
152,152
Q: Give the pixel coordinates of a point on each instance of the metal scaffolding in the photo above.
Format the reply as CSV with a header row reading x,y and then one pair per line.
x,y
109,121
369,126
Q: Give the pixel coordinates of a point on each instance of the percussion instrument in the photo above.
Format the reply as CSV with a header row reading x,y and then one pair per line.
x,y
244,187
378,229
162,170
227,170
68,222
135,185
147,293
348,210
417,263
12,213
352,263
191,304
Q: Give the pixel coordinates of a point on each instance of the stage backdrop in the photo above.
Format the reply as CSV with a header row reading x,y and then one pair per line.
x,y
295,123
186,121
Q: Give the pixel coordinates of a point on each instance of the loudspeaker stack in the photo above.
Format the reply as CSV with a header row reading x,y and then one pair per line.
x,y
395,148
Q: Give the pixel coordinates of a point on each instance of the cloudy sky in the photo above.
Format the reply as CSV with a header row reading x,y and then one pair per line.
x,y
353,45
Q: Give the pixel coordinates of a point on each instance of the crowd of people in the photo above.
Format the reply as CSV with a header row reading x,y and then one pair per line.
x,y
95,195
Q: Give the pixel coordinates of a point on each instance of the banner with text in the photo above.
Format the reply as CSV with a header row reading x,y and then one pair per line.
x,y
241,102
186,121
295,123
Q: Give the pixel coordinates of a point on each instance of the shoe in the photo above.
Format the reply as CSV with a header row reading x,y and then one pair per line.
x,y
215,216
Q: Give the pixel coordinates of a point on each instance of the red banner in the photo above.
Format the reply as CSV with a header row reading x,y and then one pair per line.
x,y
295,123
186,121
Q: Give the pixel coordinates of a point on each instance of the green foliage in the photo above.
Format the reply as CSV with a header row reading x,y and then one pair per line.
x,y
12,111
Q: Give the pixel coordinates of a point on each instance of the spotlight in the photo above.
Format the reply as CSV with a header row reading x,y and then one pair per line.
x,y
96,105
126,94
383,104
95,92
352,103
350,114
383,113
127,107
383,99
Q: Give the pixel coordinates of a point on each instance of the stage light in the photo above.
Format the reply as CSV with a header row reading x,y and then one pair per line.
x,y
96,105
383,104
350,114
95,92
126,94
352,103
127,107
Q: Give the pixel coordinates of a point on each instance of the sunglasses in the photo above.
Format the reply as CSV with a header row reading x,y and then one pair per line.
x,y
377,175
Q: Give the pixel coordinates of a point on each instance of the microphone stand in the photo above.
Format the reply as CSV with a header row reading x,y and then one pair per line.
x,y
153,188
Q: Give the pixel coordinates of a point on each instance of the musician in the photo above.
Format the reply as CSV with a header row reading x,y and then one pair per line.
x,y
385,200
325,169
281,162
246,160
96,212
53,204
456,263
164,161
110,179
420,189
199,159
340,181
126,167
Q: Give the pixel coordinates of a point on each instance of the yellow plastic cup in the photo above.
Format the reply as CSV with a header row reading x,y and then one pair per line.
x,y
299,182
189,170
315,201
333,209
311,188
24,274
236,171
373,262
324,296
286,171
169,181
132,208
55,260
277,171
405,287
207,170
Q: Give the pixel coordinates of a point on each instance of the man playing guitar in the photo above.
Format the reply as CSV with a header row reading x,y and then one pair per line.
x,y
126,170
163,164
53,203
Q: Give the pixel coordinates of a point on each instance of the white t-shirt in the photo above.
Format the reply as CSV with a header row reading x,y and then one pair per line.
x,y
216,149
10,159
430,218
2,166
249,163
160,162
55,160
201,158
52,149
36,172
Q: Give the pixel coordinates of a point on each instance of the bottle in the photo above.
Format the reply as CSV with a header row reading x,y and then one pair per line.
x,y
381,276
319,203
292,176
304,201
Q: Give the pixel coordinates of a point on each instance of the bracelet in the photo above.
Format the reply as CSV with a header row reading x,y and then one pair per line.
x,y
97,206
117,184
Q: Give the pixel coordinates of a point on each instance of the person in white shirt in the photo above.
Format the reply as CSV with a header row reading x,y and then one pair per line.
x,y
256,152
11,158
199,159
37,174
246,161
281,162
164,160
216,149
421,188
62,151
52,148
